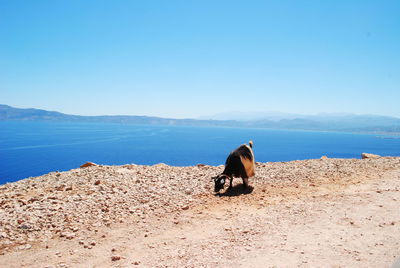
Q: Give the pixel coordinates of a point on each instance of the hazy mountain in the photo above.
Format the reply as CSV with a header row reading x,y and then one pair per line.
x,y
275,120
250,116
322,121
8,113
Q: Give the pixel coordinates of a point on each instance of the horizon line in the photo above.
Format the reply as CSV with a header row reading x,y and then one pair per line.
x,y
215,114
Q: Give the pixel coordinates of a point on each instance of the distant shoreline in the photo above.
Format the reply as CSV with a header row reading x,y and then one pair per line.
x,y
396,135
371,124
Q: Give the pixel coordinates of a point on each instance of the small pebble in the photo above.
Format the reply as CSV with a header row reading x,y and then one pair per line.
x,y
115,258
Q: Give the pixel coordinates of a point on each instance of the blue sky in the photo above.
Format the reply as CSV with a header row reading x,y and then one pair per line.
x,y
190,58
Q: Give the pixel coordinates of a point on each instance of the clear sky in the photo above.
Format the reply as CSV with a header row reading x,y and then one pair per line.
x,y
189,58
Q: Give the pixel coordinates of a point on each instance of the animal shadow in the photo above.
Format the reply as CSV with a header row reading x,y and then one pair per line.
x,y
237,190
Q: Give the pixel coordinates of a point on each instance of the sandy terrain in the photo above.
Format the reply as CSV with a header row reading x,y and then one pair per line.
x,y
312,213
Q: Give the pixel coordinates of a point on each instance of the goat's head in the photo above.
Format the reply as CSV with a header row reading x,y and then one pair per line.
x,y
219,182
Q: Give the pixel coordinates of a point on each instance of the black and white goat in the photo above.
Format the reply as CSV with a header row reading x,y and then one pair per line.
x,y
240,163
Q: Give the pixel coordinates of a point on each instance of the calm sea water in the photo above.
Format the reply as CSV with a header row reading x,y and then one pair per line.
x,y
36,148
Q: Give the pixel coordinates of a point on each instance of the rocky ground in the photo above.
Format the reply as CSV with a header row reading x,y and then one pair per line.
x,y
311,213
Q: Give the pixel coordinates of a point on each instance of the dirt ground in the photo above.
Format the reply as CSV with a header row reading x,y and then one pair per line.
x,y
339,220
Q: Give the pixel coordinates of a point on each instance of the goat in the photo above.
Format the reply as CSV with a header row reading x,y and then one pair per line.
x,y
240,163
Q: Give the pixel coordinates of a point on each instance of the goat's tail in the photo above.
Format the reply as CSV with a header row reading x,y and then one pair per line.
x,y
251,144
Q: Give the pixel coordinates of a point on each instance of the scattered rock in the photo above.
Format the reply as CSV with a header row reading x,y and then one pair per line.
x,y
188,191
25,247
25,227
67,235
88,164
33,199
60,187
367,156
115,258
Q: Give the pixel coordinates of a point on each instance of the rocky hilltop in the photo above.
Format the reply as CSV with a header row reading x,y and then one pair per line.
x,y
335,212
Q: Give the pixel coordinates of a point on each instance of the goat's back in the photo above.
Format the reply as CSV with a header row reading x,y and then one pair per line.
x,y
240,162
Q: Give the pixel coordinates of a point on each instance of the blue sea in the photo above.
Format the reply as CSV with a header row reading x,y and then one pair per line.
x,y
36,148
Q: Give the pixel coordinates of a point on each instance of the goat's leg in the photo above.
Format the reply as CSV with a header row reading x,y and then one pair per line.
x,y
246,182
230,182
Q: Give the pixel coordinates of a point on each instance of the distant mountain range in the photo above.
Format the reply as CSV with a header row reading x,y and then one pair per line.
x,y
8,113
272,120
